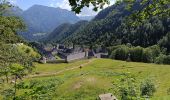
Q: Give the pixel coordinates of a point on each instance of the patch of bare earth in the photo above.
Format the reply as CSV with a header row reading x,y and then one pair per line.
x,y
77,85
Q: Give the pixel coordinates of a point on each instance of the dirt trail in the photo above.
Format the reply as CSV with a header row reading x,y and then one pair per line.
x,y
59,72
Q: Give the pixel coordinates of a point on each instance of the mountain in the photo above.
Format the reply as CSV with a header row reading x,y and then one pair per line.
x,y
88,18
41,20
63,31
111,27
13,11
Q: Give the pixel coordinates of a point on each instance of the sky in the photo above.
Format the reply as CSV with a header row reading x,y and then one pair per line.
x,y
25,4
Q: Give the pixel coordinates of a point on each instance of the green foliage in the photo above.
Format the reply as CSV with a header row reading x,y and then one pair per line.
x,y
8,94
136,54
127,88
64,31
9,26
112,27
165,42
163,59
147,88
120,53
29,51
39,89
147,56
148,7
78,5
13,61
150,53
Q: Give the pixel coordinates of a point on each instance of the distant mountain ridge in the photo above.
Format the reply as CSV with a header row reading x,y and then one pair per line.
x,y
42,19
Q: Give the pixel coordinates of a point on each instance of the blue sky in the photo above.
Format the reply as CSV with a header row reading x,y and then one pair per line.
x,y
25,4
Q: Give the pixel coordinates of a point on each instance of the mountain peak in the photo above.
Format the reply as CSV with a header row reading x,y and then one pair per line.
x,y
44,19
44,7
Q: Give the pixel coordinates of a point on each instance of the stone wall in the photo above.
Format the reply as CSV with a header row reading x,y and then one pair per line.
x,y
76,56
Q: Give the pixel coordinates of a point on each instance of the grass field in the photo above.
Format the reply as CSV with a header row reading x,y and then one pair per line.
x,y
69,82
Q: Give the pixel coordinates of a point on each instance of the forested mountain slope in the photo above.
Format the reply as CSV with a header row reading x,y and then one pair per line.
x,y
64,31
111,27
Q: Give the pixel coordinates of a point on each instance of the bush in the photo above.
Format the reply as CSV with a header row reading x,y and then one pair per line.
x,y
113,48
165,42
155,52
126,88
147,56
136,54
112,55
120,53
147,88
163,59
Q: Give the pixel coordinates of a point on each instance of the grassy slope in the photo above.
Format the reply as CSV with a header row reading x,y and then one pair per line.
x,y
97,77
29,50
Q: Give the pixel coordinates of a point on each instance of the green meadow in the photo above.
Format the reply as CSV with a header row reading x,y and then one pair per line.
x,y
69,81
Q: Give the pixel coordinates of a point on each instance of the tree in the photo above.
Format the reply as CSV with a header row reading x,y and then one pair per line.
x,y
9,55
148,8
14,64
3,6
17,70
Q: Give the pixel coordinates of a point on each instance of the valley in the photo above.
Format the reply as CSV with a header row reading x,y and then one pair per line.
x,y
85,50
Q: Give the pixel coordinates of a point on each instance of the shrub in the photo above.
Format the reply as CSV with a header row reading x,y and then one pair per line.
x,y
155,52
163,59
112,56
113,48
147,88
147,56
164,42
8,94
159,59
126,88
120,53
136,54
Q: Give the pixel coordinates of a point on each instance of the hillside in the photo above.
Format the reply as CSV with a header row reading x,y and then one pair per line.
x,y
28,50
88,18
111,27
64,31
68,81
41,20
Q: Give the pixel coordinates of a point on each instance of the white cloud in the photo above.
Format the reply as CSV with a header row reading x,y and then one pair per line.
x,y
14,2
64,4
